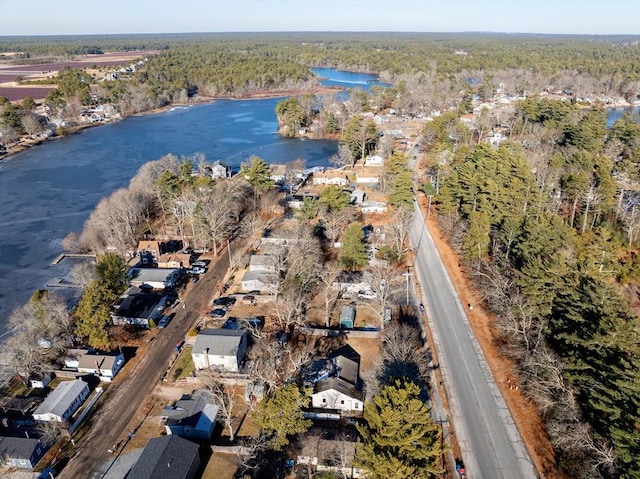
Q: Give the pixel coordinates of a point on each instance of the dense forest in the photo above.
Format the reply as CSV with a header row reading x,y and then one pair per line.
x,y
552,240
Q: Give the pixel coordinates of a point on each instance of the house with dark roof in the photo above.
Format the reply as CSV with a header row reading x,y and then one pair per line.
x,y
63,401
193,416
342,390
223,349
22,452
167,457
138,308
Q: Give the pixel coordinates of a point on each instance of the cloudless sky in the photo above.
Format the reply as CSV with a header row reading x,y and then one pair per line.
x,y
69,17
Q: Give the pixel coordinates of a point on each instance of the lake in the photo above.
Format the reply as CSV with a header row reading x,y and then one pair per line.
x,y
50,190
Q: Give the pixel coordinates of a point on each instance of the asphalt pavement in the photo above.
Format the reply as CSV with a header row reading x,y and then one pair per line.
x,y
490,443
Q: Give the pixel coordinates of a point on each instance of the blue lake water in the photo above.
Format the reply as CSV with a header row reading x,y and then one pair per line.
x,y
51,189
614,113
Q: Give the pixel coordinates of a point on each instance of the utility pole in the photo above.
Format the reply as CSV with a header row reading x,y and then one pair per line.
x,y
407,275
229,251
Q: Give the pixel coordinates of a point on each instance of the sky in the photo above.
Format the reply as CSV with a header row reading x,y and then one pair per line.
x,y
73,17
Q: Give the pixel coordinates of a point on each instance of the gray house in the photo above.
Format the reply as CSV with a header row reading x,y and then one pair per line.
x,y
191,417
259,281
167,457
63,401
220,349
22,452
264,263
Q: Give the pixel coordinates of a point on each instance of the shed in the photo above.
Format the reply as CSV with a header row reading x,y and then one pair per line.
x,y
347,317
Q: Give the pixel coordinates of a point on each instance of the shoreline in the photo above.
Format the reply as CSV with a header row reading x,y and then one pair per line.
x,y
201,100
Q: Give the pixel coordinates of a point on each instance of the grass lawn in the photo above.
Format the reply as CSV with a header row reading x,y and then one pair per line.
x,y
184,365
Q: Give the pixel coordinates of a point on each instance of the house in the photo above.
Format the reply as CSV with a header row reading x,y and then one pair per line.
x,y
154,278
373,207
105,366
367,176
220,348
335,393
295,201
353,281
218,170
167,457
63,401
173,260
278,173
22,452
39,381
150,251
259,281
331,177
330,455
375,160
278,237
138,308
347,316
345,363
263,263
358,196
342,388
192,417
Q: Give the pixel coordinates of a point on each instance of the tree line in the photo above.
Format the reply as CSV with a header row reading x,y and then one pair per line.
x,y
550,233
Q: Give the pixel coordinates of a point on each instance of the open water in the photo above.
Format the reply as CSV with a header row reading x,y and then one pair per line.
x,y
50,190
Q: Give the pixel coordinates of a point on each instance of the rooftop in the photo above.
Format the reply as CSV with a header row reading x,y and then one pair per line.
x,y
165,457
58,400
218,342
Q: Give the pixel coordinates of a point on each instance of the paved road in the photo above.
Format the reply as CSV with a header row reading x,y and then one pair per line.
x,y
491,445
118,405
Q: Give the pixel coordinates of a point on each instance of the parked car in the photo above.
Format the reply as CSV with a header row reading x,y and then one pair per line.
x,y
224,301
218,313
198,270
249,300
366,295
164,321
201,264
178,346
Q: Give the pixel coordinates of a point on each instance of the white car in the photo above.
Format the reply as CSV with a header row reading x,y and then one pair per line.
x,y
366,295
198,270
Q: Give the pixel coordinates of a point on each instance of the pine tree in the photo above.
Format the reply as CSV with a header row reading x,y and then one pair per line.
x,y
354,253
257,174
281,415
399,439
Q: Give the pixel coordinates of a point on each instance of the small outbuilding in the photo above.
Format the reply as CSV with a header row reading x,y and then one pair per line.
x,y
347,317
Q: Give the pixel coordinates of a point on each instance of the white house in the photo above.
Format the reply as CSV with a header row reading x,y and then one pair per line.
x,y
105,366
259,281
63,401
335,393
331,177
155,278
191,417
264,263
375,160
220,349
367,177
372,207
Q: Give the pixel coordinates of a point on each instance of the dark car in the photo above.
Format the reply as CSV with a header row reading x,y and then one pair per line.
x,y
224,301
421,308
218,313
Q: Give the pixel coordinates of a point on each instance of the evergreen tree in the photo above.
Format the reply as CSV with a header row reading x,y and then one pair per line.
x,y
334,198
354,252
257,173
402,193
400,439
281,415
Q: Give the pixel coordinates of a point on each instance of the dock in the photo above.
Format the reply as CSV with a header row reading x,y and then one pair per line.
x,y
62,256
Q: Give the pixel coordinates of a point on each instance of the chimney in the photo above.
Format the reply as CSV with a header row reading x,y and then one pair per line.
x,y
206,358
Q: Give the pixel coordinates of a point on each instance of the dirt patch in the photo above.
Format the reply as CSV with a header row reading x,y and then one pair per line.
x,y
524,412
